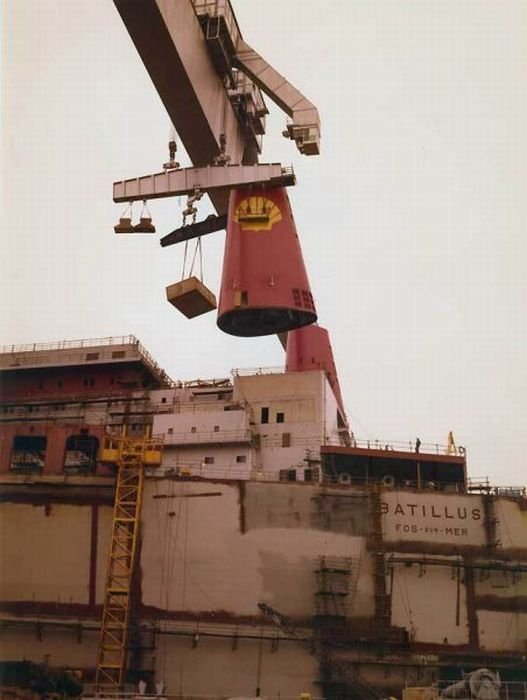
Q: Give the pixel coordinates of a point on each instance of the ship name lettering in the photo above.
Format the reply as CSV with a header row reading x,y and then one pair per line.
x,y
430,511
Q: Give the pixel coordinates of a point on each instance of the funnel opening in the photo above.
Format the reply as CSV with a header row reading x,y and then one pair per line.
x,y
249,323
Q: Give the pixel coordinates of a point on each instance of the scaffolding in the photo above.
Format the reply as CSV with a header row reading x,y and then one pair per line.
x,y
130,455
381,595
333,586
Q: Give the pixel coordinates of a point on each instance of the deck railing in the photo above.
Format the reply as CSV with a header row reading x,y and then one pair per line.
x,y
70,344
24,358
482,484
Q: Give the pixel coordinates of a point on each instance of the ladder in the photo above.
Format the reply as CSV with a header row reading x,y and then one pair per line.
x,y
381,596
130,455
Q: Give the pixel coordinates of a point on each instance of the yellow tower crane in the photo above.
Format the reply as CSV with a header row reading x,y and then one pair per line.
x,y
131,456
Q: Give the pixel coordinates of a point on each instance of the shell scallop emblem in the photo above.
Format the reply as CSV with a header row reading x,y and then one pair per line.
x,y
257,214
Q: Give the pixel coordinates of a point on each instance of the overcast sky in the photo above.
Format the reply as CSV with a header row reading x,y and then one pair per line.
x,y
412,220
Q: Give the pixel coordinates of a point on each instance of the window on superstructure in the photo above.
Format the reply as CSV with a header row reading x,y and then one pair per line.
x,y
287,475
170,431
286,439
208,460
81,453
193,429
216,428
241,458
29,453
116,354
264,414
92,355
280,417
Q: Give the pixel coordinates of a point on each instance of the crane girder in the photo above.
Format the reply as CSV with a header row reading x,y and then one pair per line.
x,y
170,42
208,179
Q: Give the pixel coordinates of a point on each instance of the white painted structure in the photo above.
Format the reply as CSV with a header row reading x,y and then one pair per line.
x,y
264,425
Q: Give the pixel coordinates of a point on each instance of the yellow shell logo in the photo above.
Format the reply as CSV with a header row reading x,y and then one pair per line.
x,y
257,214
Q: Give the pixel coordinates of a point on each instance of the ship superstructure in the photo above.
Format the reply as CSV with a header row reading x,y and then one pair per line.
x,y
386,563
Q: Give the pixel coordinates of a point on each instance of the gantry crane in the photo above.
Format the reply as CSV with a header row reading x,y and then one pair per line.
x,y
210,81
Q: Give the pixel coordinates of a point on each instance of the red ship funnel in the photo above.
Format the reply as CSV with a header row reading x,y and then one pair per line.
x,y
310,348
264,287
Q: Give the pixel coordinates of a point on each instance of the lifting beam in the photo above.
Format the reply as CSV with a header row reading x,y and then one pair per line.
x,y
130,455
209,179
201,228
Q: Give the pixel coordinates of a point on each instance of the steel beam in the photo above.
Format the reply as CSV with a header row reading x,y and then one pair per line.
x,y
305,127
201,228
171,45
208,179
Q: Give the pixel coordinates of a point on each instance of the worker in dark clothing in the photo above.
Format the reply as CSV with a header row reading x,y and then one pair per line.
x,y
417,444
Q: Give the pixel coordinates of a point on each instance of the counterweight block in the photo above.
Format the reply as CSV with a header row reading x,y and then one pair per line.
x,y
264,288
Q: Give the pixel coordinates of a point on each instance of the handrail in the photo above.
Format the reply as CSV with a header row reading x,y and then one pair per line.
x,y
64,344
220,8
21,352
480,484
424,448
249,371
194,469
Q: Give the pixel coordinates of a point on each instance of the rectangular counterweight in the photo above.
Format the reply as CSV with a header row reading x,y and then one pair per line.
x,y
209,178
